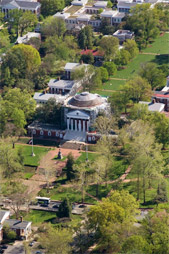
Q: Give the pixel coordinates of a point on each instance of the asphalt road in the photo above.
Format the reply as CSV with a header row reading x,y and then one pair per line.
x,y
15,249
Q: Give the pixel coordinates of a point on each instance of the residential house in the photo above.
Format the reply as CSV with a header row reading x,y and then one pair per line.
x,y
27,37
21,227
4,215
123,35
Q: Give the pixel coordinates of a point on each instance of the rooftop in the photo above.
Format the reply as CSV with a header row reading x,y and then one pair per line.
x,y
17,224
66,84
93,52
86,100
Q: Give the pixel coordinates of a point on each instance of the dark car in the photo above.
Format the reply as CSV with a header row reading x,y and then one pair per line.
x,y
1,251
82,206
4,247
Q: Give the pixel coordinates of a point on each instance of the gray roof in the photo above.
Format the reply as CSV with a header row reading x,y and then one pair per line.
x,y
86,99
126,4
45,97
21,4
2,213
64,84
17,224
42,126
156,107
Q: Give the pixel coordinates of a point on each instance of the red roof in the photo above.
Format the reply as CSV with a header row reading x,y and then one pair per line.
x,y
93,52
161,95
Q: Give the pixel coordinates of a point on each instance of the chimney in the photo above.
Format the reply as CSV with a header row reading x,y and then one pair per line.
x,y
21,218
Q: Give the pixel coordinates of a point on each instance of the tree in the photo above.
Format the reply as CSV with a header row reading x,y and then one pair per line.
x,y
161,192
9,161
104,74
152,74
53,27
160,124
119,101
87,58
28,20
144,24
85,38
13,20
56,241
122,58
131,47
112,210
4,39
50,7
8,233
104,124
136,244
21,61
69,167
139,111
64,209
111,68
155,228
109,45
144,153
17,193
50,112
138,89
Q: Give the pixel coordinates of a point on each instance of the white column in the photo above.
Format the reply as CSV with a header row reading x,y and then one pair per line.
x,y
68,121
84,127
71,124
80,126
87,125
75,125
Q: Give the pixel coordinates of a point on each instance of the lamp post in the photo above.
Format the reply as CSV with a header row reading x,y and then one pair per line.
x,y
86,151
32,146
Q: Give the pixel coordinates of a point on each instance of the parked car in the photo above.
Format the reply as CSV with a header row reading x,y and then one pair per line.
x,y
4,247
39,252
1,251
31,243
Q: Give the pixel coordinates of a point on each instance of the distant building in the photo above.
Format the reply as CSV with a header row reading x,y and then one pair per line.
x,y
123,35
154,106
24,5
21,227
162,96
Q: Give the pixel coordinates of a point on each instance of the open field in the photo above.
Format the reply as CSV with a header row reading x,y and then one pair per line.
x,y
28,158
160,46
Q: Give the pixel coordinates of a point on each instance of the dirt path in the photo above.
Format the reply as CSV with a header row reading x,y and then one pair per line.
x,y
118,78
38,181
149,53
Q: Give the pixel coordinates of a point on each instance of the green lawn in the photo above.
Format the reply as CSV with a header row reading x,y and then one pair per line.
x,y
39,216
91,157
113,84
133,67
159,46
27,151
103,93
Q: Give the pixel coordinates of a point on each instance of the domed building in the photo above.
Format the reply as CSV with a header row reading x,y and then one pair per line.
x,y
81,110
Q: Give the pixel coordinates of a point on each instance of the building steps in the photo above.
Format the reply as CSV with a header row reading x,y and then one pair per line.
x,y
77,136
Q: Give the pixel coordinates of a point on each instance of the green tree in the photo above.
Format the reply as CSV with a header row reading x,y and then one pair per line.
x,y
13,20
161,127
123,57
87,58
50,7
144,24
8,233
56,241
138,89
64,209
53,27
4,39
111,68
136,244
70,173
131,47
109,45
27,21
104,74
139,111
145,154
21,61
161,192
85,38
152,74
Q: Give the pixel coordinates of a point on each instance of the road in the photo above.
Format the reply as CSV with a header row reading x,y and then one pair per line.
x,y
17,248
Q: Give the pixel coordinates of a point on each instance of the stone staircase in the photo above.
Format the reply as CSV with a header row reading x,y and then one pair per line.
x,y
77,136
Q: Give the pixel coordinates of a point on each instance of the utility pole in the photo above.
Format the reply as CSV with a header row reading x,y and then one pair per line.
x,y
32,145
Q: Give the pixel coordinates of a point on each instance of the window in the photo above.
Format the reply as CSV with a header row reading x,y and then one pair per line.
x,y
49,133
41,133
34,131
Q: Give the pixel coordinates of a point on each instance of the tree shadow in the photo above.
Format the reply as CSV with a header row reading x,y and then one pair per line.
x,y
161,59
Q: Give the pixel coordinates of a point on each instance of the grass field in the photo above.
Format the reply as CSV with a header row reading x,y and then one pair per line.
x,y
113,84
160,46
36,141
39,216
27,151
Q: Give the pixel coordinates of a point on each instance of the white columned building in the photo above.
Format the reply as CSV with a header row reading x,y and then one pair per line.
x,y
78,121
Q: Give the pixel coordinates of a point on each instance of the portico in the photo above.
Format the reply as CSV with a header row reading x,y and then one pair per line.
x,y
78,121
